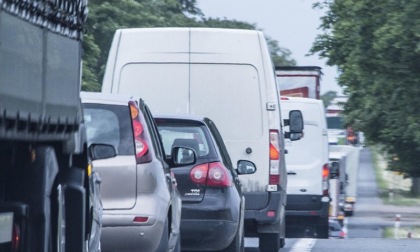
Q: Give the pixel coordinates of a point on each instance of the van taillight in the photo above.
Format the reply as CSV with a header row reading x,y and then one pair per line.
x,y
16,238
325,177
211,174
274,172
141,146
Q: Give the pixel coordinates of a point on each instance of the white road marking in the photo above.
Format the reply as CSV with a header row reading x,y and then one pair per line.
x,y
303,245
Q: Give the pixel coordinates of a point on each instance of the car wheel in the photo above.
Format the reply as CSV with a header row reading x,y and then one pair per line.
x,y
164,240
282,242
269,242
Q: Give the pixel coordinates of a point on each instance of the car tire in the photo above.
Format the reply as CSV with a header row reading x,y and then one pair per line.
x,y
322,229
282,242
164,240
269,242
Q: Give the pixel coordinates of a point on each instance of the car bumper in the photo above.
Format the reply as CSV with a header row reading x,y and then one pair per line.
x,y
272,204
212,223
129,236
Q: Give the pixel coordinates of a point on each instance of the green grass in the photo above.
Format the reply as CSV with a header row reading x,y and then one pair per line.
x,y
400,197
402,232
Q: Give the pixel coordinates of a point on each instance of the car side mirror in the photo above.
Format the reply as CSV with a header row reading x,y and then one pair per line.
x,y
295,123
101,151
183,156
246,167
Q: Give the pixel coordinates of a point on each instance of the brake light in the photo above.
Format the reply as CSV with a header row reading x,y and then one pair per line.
x,y
274,172
211,174
325,176
16,238
198,174
141,146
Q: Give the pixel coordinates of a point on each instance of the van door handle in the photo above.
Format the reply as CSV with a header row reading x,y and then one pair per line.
x,y
291,173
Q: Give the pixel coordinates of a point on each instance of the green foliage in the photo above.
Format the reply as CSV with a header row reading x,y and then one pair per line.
x,y
376,46
328,97
106,16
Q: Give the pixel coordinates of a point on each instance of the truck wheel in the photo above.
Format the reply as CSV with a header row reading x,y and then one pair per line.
x,y
269,242
322,230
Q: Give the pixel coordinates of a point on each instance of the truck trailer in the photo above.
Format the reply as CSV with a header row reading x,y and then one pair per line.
x,y
299,81
44,175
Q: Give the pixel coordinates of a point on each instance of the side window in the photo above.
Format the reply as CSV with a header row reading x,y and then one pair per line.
x,y
219,140
157,144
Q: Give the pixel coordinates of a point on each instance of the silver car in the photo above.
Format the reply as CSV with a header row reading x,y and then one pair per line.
x,y
141,202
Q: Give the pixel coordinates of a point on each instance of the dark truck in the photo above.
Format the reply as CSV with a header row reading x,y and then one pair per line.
x,y
44,174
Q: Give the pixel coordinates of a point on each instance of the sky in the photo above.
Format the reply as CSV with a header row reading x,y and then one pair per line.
x,y
293,23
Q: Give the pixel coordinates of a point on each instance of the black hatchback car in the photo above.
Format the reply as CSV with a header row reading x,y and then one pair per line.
x,y
212,201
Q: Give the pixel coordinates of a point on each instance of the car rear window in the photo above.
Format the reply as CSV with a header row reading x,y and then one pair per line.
x,y
109,124
195,136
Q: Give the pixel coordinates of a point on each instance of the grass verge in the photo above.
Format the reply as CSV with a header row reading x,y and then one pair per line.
x,y
402,232
393,189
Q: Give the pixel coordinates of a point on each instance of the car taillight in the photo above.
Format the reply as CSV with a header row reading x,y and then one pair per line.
x,y
211,174
325,176
141,146
16,238
274,172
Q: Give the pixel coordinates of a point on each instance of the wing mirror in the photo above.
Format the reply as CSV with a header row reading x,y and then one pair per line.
x,y
246,167
101,151
295,123
183,156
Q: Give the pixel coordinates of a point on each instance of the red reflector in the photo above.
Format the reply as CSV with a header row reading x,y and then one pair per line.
x,y
141,219
271,213
274,179
284,98
313,213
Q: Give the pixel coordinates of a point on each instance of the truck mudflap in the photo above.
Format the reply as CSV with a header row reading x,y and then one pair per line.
x,y
73,191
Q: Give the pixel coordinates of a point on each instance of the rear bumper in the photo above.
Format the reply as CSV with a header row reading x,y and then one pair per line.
x,y
307,205
212,223
273,202
131,238
207,234
120,233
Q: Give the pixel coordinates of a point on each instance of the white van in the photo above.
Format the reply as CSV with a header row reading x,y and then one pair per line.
x,y
223,74
307,171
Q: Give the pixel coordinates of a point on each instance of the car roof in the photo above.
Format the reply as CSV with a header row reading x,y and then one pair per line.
x,y
181,117
104,98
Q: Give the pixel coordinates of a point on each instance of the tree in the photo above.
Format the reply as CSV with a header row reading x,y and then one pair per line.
x,y
106,16
376,47
328,97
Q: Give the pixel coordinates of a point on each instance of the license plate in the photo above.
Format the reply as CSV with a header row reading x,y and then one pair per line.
x,y
6,227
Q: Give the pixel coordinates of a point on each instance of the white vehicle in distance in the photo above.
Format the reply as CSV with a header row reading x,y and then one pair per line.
x,y
307,162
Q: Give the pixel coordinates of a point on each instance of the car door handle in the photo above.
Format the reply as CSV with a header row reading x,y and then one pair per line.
x,y
291,173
